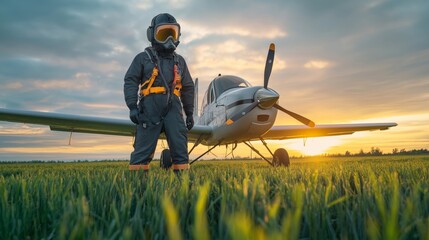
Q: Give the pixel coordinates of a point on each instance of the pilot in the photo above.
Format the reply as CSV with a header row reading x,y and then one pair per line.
x,y
158,88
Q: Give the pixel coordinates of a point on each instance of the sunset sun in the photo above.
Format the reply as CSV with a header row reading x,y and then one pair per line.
x,y
313,146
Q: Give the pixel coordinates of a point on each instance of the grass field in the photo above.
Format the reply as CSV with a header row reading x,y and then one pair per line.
x,y
316,198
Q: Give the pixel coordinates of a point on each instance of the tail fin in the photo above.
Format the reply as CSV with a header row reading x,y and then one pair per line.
x,y
196,109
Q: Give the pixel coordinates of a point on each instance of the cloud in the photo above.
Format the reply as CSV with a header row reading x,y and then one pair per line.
x,y
21,130
197,31
232,57
62,84
103,106
111,148
13,85
316,64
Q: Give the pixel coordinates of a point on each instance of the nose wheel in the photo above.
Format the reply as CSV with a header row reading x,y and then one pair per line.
x,y
165,161
281,158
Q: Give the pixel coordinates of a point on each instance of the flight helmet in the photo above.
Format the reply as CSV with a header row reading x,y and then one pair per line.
x,y
164,32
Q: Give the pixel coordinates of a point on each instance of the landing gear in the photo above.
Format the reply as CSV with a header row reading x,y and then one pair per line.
x,y
165,160
281,158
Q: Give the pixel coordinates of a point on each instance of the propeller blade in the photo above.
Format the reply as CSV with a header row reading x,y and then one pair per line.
x,y
269,64
298,117
242,113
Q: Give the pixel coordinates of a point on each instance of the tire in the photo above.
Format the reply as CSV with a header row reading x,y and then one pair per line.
x,y
281,158
165,161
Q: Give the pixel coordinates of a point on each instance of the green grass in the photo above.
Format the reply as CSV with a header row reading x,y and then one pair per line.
x,y
317,198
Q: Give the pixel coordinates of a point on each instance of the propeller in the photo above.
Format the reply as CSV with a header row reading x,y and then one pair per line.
x,y
267,98
298,117
269,64
242,113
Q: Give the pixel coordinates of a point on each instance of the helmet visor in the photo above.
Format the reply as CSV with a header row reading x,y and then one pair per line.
x,y
163,32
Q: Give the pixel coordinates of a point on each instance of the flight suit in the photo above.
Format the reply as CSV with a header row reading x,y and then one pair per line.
x,y
156,115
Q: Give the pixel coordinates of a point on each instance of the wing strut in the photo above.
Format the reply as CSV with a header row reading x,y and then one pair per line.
x,y
266,146
197,142
196,159
257,152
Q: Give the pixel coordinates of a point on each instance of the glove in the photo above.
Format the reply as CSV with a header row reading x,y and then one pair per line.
x,y
134,115
189,122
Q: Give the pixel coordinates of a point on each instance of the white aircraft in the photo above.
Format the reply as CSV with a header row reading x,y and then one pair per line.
x,y
232,112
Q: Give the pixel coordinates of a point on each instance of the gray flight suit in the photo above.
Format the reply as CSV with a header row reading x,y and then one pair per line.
x,y
155,114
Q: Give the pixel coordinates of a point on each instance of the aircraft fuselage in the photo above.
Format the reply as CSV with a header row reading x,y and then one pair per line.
x,y
217,110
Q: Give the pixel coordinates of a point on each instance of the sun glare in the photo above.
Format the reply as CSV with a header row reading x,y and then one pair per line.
x,y
313,146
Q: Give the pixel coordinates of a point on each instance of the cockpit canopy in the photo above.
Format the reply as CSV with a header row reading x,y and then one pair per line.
x,y
224,83
220,85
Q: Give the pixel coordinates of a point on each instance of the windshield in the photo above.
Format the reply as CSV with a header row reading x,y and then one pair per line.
x,y
224,83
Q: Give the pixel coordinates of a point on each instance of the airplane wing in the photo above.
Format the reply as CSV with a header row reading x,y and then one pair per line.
x,y
85,124
301,131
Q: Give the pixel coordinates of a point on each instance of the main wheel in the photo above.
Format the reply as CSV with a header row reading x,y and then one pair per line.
x,y
165,160
281,158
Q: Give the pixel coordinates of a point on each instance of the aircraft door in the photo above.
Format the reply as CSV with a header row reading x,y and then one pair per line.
x,y
211,98
219,115
207,112
219,112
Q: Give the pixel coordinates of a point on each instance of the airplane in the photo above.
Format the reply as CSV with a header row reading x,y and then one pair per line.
x,y
232,112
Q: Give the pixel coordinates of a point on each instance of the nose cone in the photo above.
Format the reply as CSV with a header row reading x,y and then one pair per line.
x,y
266,98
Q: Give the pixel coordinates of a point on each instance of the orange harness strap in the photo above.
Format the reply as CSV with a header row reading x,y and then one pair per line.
x,y
177,81
149,82
161,90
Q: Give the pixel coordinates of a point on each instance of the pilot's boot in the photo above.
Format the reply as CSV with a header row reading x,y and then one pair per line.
x,y
181,171
178,169
139,167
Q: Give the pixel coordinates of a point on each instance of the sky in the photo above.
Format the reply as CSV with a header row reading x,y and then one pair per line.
x,y
336,62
